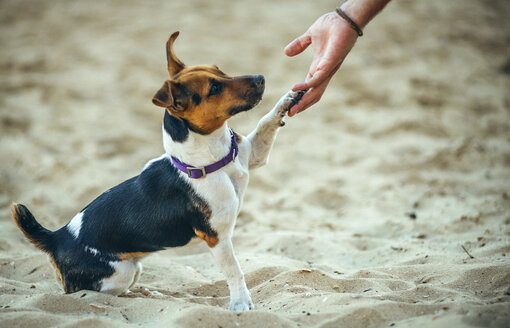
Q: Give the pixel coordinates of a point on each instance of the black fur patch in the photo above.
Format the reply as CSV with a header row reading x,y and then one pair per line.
x,y
147,213
80,269
175,127
196,99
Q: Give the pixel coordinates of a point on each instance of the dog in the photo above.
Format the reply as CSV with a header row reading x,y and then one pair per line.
x,y
195,189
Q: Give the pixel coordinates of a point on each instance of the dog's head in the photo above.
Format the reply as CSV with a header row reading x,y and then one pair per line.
x,y
203,96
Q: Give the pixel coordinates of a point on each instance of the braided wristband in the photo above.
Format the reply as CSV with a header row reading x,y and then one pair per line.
x,y
350,21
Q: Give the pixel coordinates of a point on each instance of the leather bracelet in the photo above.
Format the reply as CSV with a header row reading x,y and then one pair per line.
x,y
350,21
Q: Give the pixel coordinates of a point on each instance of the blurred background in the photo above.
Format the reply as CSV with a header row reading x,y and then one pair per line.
x,y
406,155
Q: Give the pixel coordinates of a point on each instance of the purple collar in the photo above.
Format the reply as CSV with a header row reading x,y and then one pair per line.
x,y
200,172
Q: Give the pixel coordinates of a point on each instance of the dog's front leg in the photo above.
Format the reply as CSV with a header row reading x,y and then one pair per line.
x,y
223,253
264,135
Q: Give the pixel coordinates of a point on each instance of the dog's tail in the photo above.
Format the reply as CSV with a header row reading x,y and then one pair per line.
x,y
41,237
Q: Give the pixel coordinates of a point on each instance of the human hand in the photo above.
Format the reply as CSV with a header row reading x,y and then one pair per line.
x,y
331,38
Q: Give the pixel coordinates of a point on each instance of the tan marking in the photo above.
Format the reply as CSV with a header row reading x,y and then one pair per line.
x,y
173,63
127,256
239,138
59,274
15,213
212,112
203,207
210,240
15,216
215,71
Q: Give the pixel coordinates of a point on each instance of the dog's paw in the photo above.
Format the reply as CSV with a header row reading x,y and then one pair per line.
x,y
287,101
241,305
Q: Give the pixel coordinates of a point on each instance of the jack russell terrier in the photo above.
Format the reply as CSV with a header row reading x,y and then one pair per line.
x,y
193,190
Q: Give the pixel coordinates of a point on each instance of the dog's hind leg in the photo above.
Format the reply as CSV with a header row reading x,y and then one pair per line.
x,y
138,273
125,274
223,253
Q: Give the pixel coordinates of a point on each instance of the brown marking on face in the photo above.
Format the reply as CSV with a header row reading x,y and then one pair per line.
x,y
211,239
204,96
127,256
163,97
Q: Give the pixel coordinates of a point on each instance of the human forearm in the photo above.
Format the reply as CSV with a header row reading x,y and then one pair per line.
x,y
332,36
363,11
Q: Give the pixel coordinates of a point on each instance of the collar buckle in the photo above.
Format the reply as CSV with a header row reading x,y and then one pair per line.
x,y
203,171
200,169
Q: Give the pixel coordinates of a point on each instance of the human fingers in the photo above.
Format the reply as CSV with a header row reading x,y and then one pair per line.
x,y
310,98
317,78
311,70
324,65
298,45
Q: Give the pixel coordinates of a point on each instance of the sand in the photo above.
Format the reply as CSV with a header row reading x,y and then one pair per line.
x,y
359,218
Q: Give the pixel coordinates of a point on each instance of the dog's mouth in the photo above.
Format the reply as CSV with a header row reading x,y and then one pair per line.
x,y
252,95
238,109
253,100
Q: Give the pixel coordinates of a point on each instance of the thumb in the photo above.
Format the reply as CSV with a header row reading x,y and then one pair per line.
x,y
298,45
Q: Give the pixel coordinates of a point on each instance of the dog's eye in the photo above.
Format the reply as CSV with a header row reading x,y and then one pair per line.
x,y
215,89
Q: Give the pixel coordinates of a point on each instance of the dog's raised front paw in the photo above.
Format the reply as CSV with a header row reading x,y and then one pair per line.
x,y
287,101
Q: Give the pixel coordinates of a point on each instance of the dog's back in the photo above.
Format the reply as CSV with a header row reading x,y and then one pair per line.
x,y
144,214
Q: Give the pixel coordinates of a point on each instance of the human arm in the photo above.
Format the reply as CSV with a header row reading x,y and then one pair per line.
x,y
332,38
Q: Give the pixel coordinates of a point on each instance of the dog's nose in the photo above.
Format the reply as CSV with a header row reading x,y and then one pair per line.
x,y
258,80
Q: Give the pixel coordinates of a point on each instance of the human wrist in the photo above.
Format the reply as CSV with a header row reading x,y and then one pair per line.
x,y
355,10
363,11
353,25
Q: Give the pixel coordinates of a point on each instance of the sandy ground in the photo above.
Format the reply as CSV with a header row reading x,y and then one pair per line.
x,y
358,220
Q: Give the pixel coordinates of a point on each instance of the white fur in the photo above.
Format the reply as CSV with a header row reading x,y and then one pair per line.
x,y
224,189
92,250
149,163
74,226
126,274
264,135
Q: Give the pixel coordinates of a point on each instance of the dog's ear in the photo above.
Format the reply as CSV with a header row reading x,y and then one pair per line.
x,y
169,96
164,98
174,64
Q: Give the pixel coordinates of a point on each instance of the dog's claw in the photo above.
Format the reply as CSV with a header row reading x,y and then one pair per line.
x,y
287,102
295,98
300,94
